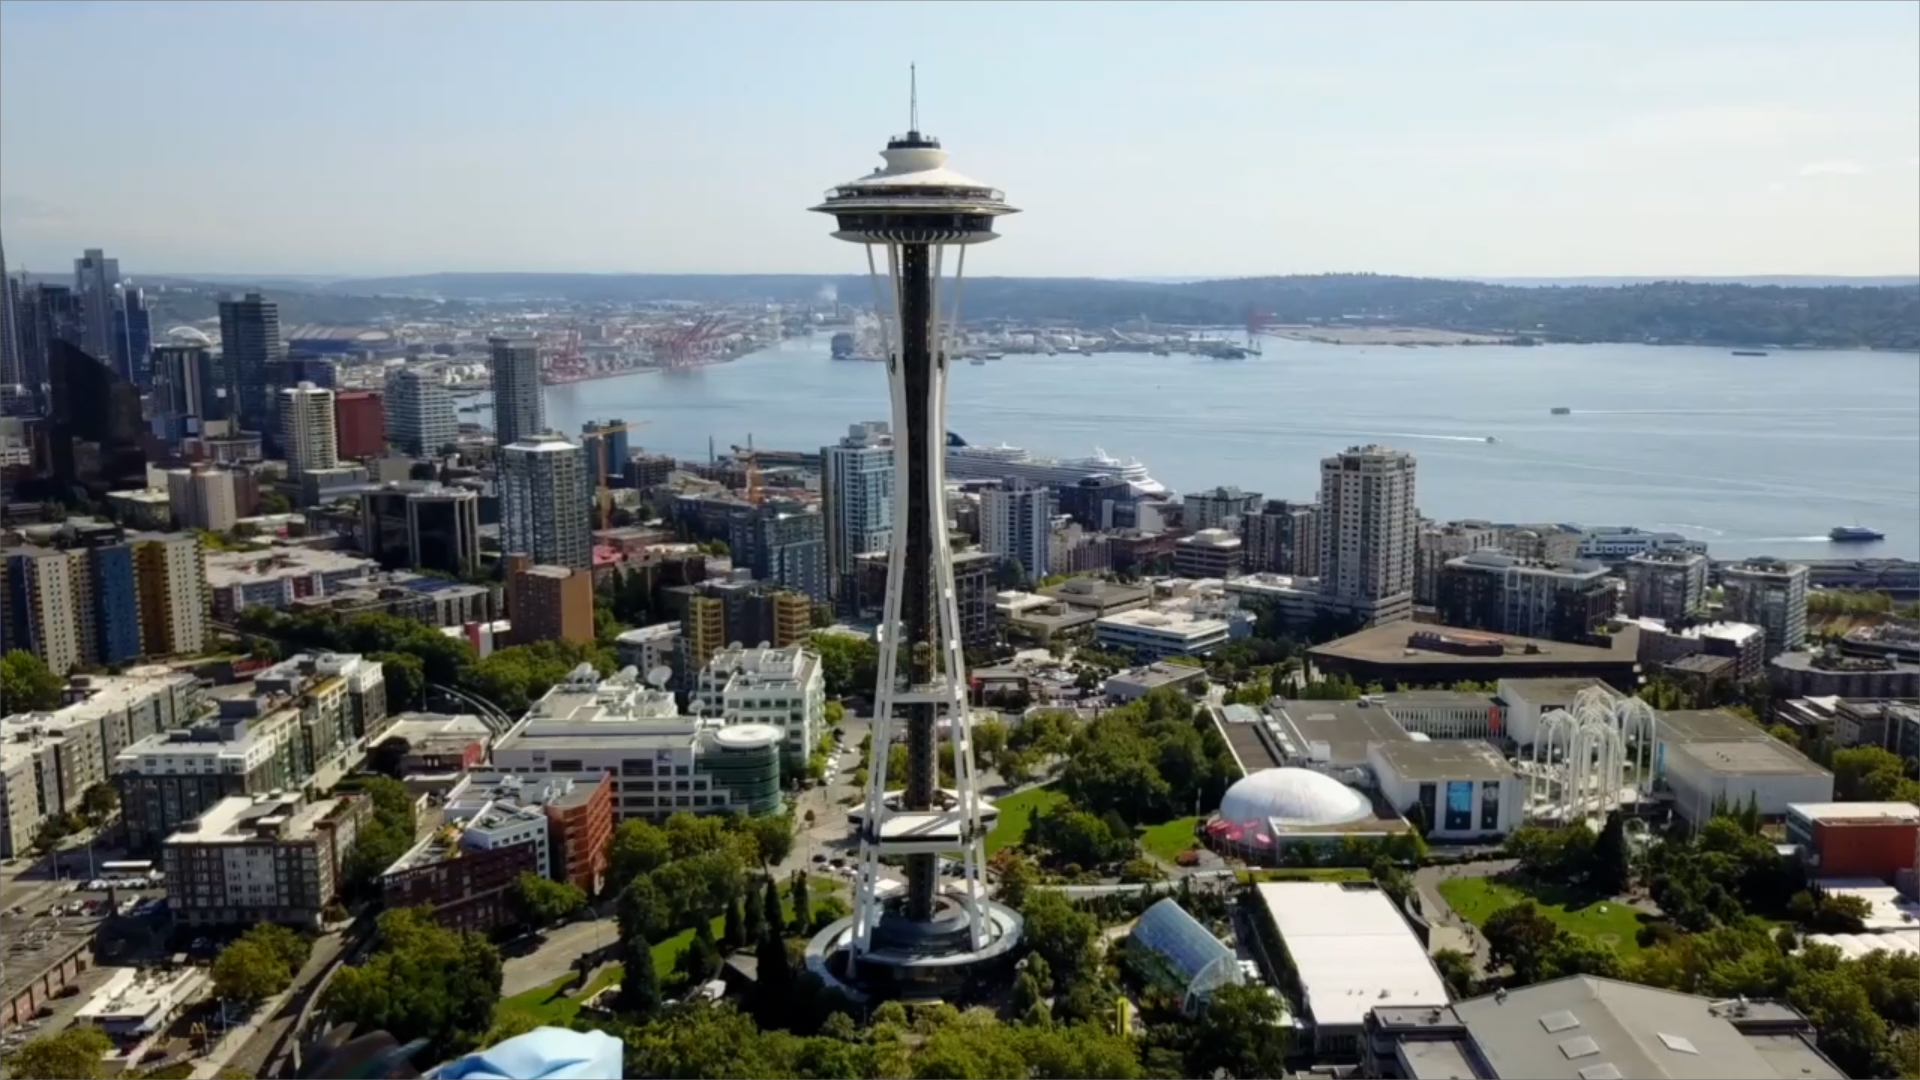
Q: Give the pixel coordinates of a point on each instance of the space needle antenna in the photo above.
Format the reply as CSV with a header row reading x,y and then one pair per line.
x,y
913,97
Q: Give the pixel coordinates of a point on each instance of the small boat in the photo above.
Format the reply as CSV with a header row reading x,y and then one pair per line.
x,y
1492,439
1749,352
996,356
1561,410
1853,534
977,362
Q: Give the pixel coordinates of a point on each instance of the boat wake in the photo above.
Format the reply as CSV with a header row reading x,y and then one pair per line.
x,y
1434,438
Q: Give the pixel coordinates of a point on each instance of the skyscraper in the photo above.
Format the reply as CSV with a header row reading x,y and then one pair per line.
x,y
443,529
13,370
856,497
1283,538
1016,523
420,415
95,435
251,354
1772,595
934,940
360,423
546,503
784,543
308,435
517,408
1367,525
48,314
94,276
170,574
183,398
133,337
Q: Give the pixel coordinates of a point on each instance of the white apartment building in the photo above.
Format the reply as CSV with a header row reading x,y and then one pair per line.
x,y
646,648
856,496
660,761
1016,522
48,581
1367,523
1156,635
202,498
546,501
309,435
170,575
1769,594
419,410
783,688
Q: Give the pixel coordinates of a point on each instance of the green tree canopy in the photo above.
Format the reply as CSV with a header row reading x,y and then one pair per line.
x,y
26,684
540,901
73,1054
422,981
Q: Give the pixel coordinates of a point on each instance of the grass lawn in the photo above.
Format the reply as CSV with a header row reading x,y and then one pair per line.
x,y
1604,922
1016,814
554,1006
1169,838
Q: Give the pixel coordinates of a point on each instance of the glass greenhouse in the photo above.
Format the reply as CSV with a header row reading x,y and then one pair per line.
x,y
1174,948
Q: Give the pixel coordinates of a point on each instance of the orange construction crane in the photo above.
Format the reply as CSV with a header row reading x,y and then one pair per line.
x,y
604,495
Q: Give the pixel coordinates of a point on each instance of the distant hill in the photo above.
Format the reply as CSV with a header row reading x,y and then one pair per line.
x,y
1787,312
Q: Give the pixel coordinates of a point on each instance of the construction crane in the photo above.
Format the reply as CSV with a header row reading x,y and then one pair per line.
x,y
749,459
601,490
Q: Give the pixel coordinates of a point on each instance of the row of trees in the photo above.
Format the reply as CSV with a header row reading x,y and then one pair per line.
x,y
423,981
259,964
383,839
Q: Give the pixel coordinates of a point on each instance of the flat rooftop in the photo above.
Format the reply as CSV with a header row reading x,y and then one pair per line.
x,y
1762,757
1856,812
1389,643
1248,734
1473,759
1586,1028
242,819
1336,732
1706,725
1888,910
1547,692
419,727
1433,699
1351,949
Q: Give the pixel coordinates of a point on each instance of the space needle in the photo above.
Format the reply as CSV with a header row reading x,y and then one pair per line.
x,y
939,935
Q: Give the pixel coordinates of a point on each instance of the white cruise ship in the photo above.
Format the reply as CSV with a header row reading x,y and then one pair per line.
x,y
969,462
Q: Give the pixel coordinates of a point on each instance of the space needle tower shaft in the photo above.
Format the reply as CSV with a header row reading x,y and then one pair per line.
x,y
916,218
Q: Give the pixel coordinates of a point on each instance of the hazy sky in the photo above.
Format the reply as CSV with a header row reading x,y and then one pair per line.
x,y
1141,139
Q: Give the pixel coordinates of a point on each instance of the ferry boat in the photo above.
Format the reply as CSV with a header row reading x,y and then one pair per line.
x,y
1749,352
968,462
843,346
1853,534
1561,410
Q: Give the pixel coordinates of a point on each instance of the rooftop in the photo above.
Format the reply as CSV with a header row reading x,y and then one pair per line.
x,y
1351,950
1096,592
229,568
1154,676
1402,643
1761,757
418,728
1706,725
481,790
1887,909
1163,622
1551,692
243,819
1735,632
1854,812
1447,760
1335,732
1587,1028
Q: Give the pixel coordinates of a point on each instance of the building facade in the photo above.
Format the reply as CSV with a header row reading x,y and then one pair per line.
x,y
1016,524
262,859
1436,544
549,603
1772,595
1669,584
308,436
251,354
782,688
443,529
784,543
546,504
1367,522
1490,590
360,424
1283,538
518,409
856,498
420,416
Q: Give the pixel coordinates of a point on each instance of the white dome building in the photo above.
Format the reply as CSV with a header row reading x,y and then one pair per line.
x,y
1293,797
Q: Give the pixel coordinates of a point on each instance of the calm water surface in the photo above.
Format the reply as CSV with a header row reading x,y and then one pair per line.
x,y
1751,454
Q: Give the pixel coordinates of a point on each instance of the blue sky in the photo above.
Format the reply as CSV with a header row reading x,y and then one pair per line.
x,y
1141,139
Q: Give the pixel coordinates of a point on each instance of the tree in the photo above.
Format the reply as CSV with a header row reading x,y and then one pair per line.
x,y
774,974
735,934
1520,935
248,973
638,847
772,836
99,803
1610,871
1079,838
770,904
1870,774
754,916
1018,876
640,983
802,903
422,981
1457,970
540,901
834,714
637,915
26,684
1060,933
701,960
406,678
1240,1033
273,502
73,1054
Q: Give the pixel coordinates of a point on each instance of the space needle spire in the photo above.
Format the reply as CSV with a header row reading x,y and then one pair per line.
x,y
916,218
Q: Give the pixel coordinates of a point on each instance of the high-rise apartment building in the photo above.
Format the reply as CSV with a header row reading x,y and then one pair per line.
x,y
1491,590
1091,500
94,278
518,411
856,497
784,543
420,416
42,598
1436,544
1665,583
443,529
13,367
1220,508
308,436
1283,538
1367,524
549,603
48,314
1016,524
170,577
546,505
1771,595
262,859
184,394
133,337
203,497
251,355
360,424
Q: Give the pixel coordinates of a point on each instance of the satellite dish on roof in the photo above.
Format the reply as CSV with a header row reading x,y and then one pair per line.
x,y
657,677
